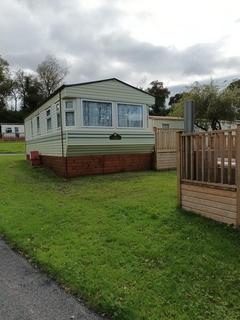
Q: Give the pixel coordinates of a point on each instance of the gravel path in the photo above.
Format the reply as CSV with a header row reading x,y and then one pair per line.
x,y
28,294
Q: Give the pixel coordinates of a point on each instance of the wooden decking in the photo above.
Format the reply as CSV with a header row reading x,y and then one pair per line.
x,y
208,171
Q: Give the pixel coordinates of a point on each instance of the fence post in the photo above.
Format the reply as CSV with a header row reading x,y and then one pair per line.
x,y
179,165
155,129
237,146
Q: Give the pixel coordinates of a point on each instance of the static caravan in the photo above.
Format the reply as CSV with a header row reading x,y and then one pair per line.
x,y
12,131
166,122
91,128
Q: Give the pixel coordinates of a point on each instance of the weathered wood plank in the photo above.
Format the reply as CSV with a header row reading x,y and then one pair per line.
x,y
211,216
210,190
209,210
210,203
211,197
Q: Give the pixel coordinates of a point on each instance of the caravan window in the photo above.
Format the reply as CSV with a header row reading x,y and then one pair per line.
x,y
130,115
97,114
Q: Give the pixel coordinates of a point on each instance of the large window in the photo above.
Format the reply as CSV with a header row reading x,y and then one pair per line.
x,y
69,114
97,114
130,116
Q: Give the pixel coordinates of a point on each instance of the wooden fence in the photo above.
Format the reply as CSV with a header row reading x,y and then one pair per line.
x,y
165,148
208,170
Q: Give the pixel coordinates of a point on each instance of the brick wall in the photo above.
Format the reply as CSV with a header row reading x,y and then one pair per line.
x,y
57,164
98,164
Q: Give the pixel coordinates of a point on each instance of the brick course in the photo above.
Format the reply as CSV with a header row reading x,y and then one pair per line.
x,y
97,164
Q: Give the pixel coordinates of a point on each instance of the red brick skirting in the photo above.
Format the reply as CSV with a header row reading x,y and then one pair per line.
x,y
97,164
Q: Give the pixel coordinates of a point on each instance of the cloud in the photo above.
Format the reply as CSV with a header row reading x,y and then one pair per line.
x,y
95,45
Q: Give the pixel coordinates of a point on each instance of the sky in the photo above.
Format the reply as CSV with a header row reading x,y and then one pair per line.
x,y
137,41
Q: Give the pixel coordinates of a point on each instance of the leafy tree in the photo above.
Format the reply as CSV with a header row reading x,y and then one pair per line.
x,y
175,99
161,94
234,85
29,91
51,75
5,83
211,105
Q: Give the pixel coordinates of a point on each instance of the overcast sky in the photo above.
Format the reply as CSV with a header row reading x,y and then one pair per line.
x,y
135,40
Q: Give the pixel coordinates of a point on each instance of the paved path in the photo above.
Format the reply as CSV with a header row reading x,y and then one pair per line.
x,y
27,294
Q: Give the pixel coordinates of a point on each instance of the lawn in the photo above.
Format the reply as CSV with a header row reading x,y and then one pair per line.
x,y
119,242
12,147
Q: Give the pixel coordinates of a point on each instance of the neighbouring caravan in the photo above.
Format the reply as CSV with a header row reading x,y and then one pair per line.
x,y
166,122
12,131
91,128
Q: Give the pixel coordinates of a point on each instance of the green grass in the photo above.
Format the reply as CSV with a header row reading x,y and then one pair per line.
x,y
119,242
12,147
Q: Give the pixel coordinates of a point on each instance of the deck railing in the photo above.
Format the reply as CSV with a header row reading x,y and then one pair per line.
x,y
208,174
209,157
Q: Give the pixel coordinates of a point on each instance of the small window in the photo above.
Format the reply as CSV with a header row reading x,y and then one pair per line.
x,y
49,119
130,116
97,114
16,129
69,105
58,115
70,119
38,124
49,124
8,130
165,126
58,120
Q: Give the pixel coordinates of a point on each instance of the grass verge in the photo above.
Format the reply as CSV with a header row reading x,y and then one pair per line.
x,y
12,147
119,242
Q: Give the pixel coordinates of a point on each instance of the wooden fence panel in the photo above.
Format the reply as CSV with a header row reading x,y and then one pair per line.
x,y
165,148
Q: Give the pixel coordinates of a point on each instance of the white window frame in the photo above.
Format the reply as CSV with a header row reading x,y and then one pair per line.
x,y
72,109
47,118
143,115
58,114
38,122
101,101
166,124
8,130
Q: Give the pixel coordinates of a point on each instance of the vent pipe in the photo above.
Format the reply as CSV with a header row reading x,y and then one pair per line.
x,y
189,116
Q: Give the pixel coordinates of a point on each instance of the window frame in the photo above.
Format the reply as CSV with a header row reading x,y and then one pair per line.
x,y
8,130
133,104
38,124
66,110
101,101
165,124
58,114
48,117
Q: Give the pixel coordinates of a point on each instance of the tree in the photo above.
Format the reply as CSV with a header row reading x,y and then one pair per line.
x,y
161,94
5,83
211,105
175,99
234,85
51,75
29,91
